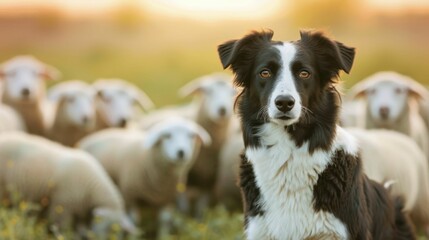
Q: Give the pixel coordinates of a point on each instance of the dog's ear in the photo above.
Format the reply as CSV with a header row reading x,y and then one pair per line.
x,y
227,52
334,56
231,50
238,54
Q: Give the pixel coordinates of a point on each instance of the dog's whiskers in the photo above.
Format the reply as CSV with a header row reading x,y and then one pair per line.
x,y
263,113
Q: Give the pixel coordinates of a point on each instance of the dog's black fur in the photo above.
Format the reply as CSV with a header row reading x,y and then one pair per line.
x,y
364,206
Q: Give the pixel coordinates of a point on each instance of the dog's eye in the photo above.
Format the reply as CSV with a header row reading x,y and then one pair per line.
x,y
304,74
265,73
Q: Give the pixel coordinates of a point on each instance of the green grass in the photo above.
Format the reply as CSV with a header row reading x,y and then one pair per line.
x,y
20,223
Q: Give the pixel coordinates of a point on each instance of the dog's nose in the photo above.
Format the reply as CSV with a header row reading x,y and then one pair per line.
x,y
384,112
25,92
284,103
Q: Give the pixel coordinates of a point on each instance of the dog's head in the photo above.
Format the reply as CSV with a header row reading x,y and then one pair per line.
x,y
285,82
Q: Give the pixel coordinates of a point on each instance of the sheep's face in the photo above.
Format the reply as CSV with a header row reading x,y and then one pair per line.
x,y
218,100
387,101
115,107
178,145
24,78
23,83
79,109
178,139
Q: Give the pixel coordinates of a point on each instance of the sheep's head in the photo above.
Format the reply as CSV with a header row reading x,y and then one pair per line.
x,y
24,79
116,100
388,95
75,104
178,139
217,95
105,219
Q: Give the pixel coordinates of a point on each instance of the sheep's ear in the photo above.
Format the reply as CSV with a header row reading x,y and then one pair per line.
x,y
153,138
203,135
358,90
191,88
142,99
50,72
56,95
333,55
417,91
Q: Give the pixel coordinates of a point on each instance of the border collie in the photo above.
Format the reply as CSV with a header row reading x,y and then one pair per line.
x,y
301,175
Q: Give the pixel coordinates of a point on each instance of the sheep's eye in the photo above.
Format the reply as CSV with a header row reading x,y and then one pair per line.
x,y
167,136
398,90
107,99
304,74
372,91
265,73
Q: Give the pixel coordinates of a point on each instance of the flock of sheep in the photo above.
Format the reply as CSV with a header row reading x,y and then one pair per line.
x,y
90,158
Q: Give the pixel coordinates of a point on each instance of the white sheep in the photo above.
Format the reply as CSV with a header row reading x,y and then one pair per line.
x,y
392,103
115,102
148,166
353,113
213,112
10,120
24,89
391,156
74,115
69,183
227,191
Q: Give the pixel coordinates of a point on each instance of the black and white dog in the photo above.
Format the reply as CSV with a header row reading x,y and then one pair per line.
x,y
301,176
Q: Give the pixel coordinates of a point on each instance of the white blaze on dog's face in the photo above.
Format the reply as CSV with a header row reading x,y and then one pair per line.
x,y
177,138
116,107
24,78
387,100
284,106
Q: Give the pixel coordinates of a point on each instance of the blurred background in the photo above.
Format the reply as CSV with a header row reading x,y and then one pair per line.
x,y
162,44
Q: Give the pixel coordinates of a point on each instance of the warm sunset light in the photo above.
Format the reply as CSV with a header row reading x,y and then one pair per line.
x,y
399,5
201,10
216,9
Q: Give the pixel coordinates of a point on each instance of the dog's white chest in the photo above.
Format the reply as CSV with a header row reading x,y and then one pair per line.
x,y
286,175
